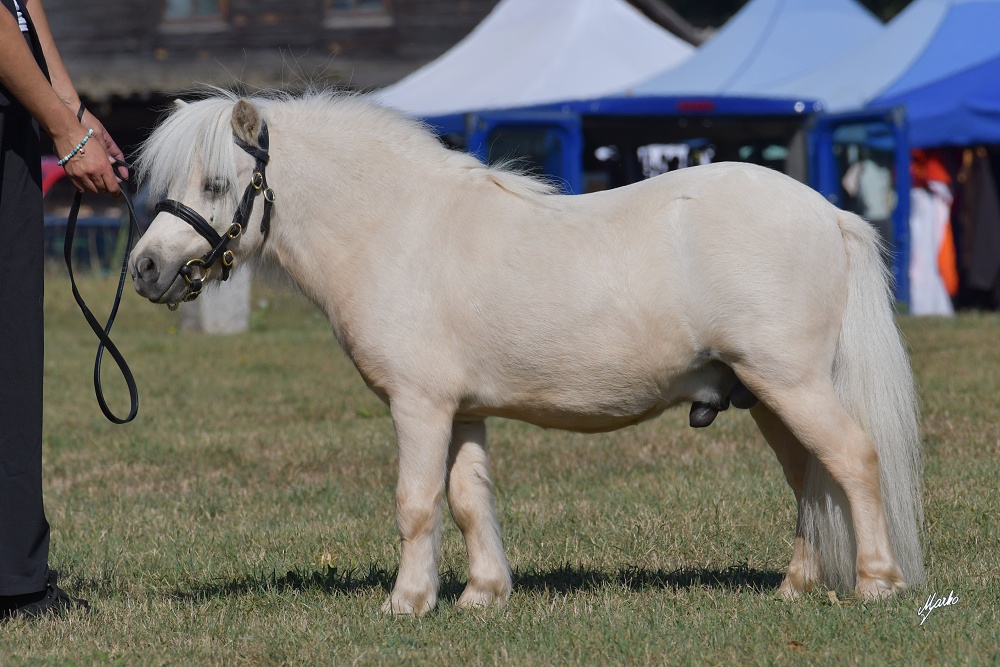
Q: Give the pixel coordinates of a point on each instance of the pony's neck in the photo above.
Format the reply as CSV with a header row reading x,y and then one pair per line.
x,y
362,191
348,186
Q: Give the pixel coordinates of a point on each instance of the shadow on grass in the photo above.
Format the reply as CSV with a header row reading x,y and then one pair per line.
x,y
563,579
330,580
569,578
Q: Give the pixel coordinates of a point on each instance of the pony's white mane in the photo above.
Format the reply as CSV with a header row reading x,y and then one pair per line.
x,y
200,133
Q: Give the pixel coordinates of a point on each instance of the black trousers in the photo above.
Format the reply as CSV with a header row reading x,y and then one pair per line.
x,y
24,532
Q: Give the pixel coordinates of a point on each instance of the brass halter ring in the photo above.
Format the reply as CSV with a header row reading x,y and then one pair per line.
x,y
187,274
194,284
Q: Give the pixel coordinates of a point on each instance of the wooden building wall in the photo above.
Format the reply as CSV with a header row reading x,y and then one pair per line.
x,y
420,29
128,63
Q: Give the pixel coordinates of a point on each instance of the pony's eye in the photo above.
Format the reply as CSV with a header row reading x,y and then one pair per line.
x,y
216,186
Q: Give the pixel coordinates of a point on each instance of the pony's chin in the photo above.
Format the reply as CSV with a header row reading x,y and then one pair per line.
x,y
171,303
171,297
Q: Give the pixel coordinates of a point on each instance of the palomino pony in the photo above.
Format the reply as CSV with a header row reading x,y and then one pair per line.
x,y
462,292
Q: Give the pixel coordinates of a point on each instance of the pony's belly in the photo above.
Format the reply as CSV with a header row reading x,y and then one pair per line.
x,y
605,406
581,422
591,408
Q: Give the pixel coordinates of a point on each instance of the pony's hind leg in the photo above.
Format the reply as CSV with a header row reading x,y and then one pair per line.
x,y
803,570
423,431
470,497
814,415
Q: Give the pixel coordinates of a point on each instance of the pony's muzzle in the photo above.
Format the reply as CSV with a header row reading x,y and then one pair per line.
x,y
147,277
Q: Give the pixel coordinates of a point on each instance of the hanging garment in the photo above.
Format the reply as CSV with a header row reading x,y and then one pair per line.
x,y
982,214
929,214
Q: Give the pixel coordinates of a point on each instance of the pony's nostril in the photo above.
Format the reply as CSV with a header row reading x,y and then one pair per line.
x,y
147,269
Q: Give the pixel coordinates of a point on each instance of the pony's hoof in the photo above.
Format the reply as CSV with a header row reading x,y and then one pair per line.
x,y
478,595
702,414
400,605
792,589
878,589
788,592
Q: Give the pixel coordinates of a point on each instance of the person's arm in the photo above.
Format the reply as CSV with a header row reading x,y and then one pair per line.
x,y
89,170
61,81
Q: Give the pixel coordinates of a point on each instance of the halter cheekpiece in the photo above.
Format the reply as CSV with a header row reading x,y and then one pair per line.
x,y
219,243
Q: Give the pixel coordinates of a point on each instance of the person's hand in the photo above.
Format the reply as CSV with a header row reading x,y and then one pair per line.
x,y
90,169
90,120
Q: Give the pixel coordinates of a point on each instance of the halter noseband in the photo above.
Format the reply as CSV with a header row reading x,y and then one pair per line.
x,y
220,242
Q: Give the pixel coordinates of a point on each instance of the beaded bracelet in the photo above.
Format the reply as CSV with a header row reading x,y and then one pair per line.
x,y
78,148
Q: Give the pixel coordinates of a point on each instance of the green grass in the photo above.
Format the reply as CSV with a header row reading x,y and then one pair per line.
x,y
246,517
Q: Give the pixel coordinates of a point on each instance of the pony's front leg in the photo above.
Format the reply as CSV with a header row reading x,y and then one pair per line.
x,y
470,496
423,431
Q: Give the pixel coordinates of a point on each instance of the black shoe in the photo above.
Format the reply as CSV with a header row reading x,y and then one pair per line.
x,y
53,600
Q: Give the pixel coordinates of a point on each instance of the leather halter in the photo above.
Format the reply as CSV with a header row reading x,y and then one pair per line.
x,y
219,243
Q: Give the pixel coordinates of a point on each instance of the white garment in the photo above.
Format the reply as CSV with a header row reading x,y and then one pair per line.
x,y
875,191
872,185
21,23
929,215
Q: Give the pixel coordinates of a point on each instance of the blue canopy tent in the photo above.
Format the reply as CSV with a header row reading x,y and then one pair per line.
x,y
766,42
951,91
851,80
930,43
960,110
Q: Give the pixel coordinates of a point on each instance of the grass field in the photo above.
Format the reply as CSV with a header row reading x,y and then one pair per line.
x,y
246,517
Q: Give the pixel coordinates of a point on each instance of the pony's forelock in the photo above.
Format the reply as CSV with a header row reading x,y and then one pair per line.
x,y
197,132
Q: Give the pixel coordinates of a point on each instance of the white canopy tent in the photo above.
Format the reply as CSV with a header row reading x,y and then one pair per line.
x,y
529,52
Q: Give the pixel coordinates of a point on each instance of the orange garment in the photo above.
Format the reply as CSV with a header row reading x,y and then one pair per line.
x,y
948,262
927,166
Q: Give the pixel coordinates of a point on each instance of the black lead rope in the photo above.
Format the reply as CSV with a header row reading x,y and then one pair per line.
x,y
104,333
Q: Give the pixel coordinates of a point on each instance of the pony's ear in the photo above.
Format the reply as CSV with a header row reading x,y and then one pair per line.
x,y
246,121
179,103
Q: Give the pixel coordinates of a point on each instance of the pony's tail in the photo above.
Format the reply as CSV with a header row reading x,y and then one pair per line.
x,y
873,380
